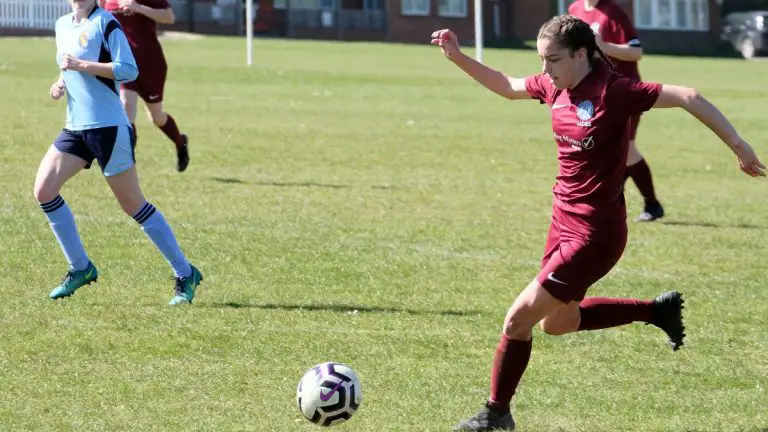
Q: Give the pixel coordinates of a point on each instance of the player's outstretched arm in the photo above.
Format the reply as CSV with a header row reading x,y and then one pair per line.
x,y
698,106
493,80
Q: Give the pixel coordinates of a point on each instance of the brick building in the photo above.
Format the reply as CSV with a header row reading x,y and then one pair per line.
x,y
679,26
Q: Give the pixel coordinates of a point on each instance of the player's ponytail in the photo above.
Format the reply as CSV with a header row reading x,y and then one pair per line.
x,y
570,32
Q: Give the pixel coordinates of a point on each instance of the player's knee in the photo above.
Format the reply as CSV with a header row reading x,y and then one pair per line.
x,y
158,118
518,328
45,193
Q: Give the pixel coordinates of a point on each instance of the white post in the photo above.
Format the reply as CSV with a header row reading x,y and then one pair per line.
x,y
249,30
479,30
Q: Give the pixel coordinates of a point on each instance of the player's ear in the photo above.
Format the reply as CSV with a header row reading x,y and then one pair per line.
x,y
580,54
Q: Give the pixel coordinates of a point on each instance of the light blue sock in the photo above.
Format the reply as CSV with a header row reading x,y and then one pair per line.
x,y
157,229
64,228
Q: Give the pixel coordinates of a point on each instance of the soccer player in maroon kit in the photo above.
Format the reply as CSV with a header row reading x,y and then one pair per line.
x,y
590,106
617,38
139,19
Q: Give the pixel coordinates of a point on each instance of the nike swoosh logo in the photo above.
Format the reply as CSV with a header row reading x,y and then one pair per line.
x,y
558,106
325,397
90,273
551,276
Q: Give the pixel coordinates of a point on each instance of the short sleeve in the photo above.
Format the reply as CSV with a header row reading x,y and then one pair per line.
x,y
539,87
623,29
631,96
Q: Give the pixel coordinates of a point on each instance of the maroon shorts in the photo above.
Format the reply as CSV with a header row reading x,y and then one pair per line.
x,y
579,252
150,84
634,122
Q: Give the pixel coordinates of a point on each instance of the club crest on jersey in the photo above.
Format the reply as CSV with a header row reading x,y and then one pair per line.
x,y
585,110
84,39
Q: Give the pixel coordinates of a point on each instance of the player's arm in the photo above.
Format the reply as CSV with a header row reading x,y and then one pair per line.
x,y
160,15
697,105
625,52
122,68
622,30
495,81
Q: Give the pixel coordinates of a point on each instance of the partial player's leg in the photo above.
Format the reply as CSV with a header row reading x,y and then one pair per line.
x,y
575,267
511,359
121,175
167,124
65,158
130,99
640,173
152,92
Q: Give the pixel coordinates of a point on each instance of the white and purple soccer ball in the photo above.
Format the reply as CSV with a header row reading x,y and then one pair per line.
x,y
329,394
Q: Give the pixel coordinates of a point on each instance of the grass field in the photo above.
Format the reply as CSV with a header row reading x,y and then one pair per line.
x,y
369,204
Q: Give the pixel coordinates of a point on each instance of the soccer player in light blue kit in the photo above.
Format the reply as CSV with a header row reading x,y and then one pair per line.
x,y
94,57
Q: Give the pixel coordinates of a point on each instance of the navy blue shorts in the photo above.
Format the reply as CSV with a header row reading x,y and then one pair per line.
x,y
111,146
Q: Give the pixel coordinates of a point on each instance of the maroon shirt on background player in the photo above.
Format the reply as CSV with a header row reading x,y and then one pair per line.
x,y
139,19
617,38
591,106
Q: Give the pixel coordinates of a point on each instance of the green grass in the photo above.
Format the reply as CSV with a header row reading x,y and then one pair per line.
x,y
337,177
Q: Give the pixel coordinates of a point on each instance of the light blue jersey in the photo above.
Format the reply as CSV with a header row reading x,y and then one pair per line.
x,y
93,101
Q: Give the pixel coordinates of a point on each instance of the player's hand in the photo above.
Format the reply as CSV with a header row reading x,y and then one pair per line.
x,y
57,90
447,41
70,62
128,5
748,160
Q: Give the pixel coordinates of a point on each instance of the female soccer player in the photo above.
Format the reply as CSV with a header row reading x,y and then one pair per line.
x,y
93,55
139,19
617,38
590,106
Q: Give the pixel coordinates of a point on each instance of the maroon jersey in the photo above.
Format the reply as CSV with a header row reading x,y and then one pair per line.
x,y
612,23
590,124
140,30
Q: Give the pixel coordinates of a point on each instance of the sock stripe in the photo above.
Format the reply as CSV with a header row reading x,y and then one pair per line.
x,y
145,213
53,204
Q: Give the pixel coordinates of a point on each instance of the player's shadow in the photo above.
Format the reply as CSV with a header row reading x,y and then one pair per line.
x,y
711,225
345,309
229,180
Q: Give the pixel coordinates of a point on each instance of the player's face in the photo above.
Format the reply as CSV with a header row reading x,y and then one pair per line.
x,y
559,63
82,4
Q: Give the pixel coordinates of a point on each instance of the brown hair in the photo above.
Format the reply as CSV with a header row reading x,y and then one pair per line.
x,y
570,32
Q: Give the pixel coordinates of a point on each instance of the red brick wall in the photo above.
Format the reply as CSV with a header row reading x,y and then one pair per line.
x,y
416,29
529,15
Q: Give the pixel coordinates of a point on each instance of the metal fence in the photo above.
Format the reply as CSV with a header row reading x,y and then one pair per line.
x,y
32,14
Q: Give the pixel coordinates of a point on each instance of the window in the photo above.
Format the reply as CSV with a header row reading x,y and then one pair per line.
x,y
414,7
306,4
672,14
452,8
373,4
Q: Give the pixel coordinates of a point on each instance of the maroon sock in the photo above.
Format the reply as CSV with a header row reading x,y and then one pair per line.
x,y
641,175
172,131
508,366
603,312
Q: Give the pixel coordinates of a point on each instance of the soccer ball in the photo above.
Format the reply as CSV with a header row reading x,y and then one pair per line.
x,y
329,393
